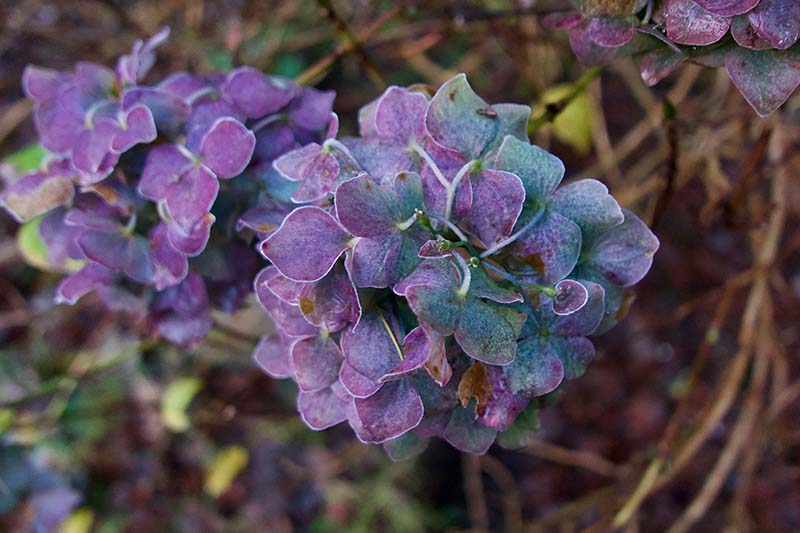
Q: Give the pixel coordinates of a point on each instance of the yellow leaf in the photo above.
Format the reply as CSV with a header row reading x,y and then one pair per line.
x,y
224,468
80,521
575,124
176,400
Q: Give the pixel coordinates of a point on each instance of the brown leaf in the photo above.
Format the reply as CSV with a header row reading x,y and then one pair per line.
x,y
475,384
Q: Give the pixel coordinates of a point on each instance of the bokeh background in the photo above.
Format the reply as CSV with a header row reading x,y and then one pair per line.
x,y
691,412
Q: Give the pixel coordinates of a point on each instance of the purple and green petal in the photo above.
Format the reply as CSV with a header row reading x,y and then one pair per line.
x,y
488,332
539,170
460,119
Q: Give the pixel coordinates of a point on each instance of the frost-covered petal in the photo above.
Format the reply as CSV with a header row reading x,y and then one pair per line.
x,y
777,21
466,433
400,114
504,404
746,35
583,321
395,409
356,383
549,250
436,306
623,254
497,198
271,354
315,168
610,32
728,8
537,369
322,409
385,261
658,64
575,353
287,317
369,347
766,78
458,118
416,351
488,332
688,23
570,296
588,204
331,303
380,157
315,361
307,244
366,209
539,170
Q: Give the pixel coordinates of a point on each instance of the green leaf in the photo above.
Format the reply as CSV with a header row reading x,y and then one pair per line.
x,y
575,124
80,521
34,250
176,399
31,244
27,159
224,468
6,419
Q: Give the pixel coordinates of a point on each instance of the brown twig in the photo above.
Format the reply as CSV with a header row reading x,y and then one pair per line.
x,y
474,493
579,458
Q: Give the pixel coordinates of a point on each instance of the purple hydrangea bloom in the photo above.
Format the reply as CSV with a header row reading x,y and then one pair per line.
x,y
755,40
147,185
434,275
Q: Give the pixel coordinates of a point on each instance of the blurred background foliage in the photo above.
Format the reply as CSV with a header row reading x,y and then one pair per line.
x,y
689,418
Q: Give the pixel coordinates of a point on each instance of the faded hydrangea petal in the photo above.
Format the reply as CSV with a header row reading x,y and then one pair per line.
x,y
257,94
315,361
727,8
321,409
588,204
549,250
777,21
466,433
536,370
82,282
497,199
458,118
539,170
688,23
392,411
356,383
272,356
766,78
624,253
227,147
488,332
306,245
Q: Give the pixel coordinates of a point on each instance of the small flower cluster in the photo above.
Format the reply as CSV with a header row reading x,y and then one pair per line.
x,y
138,174
435,275
755,40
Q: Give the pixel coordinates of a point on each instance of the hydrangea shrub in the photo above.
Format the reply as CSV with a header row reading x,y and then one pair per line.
x,y
145,186
755,40
435,275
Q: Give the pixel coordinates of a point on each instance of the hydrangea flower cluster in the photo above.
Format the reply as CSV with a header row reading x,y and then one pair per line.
x,y
435,275
138,174
755,40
